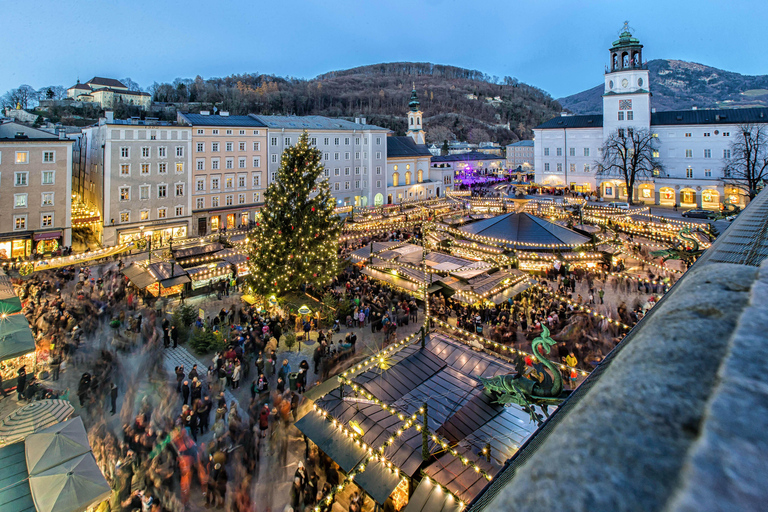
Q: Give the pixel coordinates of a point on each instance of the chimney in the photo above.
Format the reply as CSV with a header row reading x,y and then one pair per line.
x,y
110,115
205,112
362,120
694,107
224,113
357,120
62,133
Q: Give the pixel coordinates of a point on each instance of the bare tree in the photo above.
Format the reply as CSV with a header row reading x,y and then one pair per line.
x,y
25,96
747,167
630,154
130,84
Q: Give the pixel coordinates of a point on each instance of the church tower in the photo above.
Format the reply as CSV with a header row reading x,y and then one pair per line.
x,y
627,96
414,119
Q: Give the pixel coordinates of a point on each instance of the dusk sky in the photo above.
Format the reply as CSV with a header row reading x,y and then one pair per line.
x,y
559,46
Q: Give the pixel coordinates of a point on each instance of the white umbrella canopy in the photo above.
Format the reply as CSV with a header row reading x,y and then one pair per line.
x,y
72,486
33,417
51,446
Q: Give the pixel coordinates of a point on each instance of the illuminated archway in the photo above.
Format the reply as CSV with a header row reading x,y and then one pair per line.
x,y
378,199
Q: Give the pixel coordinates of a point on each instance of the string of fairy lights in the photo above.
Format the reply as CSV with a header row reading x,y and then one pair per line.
x,y
580,307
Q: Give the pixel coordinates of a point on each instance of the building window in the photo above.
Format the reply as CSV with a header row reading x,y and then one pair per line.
x,y
241,163
573,167
241,181
144,152
144,215
687,134
726,134
20,200
357,183
201,164
688,153
327,172
228,199
395,179
274,159
689,173
215,147
378,140
287,141
162,191
162,213
179,167
257,146
144,169
214,163
256,162
546,166
144,192
241,145
125,169
546,151
378,183
378,155
229,132
200,147
559,167
241,199
215,202
229,146
313,141
179,190
707,173
256,180
337,172
586,151
215,132
347,185
572,151
707,153
179,211
586,168
655,154
630,115
125,193
346,155
229,182
125,216
214,183
162,168
49,157
179,151
230,163
621,115
49,177
273,141
200,184
19,222
346,171
200,132
378,170
726,153
125,152
200,203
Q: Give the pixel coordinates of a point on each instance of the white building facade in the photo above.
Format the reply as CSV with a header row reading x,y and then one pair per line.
x,y
693,145
354,154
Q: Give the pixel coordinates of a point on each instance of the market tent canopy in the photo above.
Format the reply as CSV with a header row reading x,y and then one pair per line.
x,y
336,445
378,481
71,486
15,495
9,301
15,337
526,229
429,497
32,418
56,444
139,275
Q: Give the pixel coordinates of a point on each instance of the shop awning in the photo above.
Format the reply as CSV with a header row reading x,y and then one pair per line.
x,y
189,252
15,337
337,446
378,481
510,292
9,301
50,235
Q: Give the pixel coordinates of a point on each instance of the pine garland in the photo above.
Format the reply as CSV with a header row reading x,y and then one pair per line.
x,y
297,238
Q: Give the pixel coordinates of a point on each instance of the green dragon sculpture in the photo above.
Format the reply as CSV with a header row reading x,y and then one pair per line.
x,y
525,392
681,250
729,210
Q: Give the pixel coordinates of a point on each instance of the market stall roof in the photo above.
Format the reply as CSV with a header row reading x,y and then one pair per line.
x,y
9,301
53,445
429,497
232,256
378,481
364,252
526,229
139,276
510,292
15,495
337,446
15,337
168,273
197,250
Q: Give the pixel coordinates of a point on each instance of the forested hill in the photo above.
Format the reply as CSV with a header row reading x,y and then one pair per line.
x,y
458,104
680,85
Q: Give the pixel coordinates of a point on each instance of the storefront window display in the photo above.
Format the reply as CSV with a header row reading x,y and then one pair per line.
x,y
230,221
9,368
646,193
44,246
244,219
158,236
215,220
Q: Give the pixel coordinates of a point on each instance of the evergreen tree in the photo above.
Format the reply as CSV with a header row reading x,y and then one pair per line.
x,y
297,239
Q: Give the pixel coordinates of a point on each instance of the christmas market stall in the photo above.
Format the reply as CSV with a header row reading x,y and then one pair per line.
x,y
17,347
53,470
418,415
9,301
159,279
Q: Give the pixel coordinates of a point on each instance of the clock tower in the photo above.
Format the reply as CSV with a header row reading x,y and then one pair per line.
x,y
627,96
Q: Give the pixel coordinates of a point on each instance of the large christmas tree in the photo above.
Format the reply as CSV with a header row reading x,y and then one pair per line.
x,y
297,238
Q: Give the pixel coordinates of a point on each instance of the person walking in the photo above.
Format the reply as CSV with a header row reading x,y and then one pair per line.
x,y
21,382
601,294
185,393
236,375
113,397
264,420
174,336
179,377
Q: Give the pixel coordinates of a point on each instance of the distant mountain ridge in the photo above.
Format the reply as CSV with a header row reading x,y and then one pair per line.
x,y
681,85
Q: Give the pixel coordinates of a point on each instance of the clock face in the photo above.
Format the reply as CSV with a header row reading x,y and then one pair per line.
x,y
624,82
